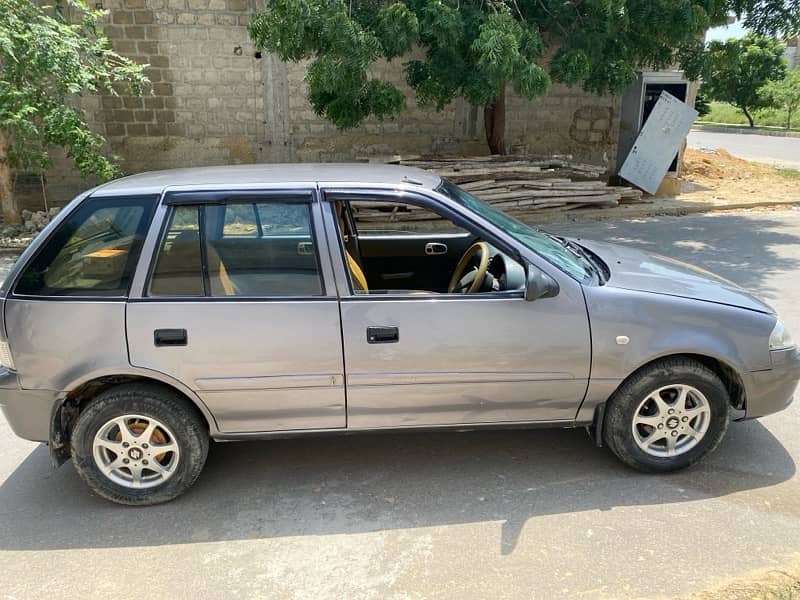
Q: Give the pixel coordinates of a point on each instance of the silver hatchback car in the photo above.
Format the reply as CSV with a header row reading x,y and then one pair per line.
x,y
163,310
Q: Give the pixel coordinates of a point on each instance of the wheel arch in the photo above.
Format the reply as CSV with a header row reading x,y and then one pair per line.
x,y
81,393
723,369
729,375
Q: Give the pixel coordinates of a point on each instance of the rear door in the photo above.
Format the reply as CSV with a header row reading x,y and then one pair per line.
x,y
237,307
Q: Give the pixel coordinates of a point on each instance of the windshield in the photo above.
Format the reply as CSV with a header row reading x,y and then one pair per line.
x,y
547,246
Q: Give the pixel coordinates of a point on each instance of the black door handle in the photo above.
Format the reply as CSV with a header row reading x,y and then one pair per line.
x,y
170,337
382,335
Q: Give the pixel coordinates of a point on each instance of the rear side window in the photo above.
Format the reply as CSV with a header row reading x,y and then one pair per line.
x,y
283,219
241,220
93,252
179,268
251,249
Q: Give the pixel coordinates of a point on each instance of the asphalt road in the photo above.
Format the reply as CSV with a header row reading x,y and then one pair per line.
x,y
519,514
781,152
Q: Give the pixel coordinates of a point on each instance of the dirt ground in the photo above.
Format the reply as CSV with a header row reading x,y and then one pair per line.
x,y
719,176
772,584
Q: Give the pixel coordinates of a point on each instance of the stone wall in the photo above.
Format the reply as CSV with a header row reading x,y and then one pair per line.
x,y
215,100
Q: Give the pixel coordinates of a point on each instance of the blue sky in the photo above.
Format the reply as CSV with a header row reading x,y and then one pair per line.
x,y
726,31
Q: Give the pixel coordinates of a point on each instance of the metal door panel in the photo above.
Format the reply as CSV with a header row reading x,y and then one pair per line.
x,y
414,405
466,360
293,348
277,409
658,142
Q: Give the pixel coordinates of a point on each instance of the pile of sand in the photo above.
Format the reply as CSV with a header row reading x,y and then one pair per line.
x,y
716,174
719,165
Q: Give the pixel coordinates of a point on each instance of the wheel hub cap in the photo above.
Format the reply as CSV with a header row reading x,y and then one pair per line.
x,y
136,451
671,420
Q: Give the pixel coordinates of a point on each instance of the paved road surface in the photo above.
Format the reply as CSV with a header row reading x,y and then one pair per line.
x,y
536,514
777,151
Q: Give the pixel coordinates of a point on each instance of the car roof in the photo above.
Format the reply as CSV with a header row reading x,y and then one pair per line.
x,y
269,174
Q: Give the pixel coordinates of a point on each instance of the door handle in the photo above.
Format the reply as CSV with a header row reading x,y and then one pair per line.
x,y
305,248
170,337
383,335
435,248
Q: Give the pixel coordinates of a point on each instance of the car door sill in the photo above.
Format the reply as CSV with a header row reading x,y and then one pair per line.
x,y
459,427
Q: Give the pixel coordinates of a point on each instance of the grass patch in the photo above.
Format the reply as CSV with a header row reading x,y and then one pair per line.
x,y
722,112
788,173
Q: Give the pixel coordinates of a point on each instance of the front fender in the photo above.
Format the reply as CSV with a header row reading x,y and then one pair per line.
x,y
656,326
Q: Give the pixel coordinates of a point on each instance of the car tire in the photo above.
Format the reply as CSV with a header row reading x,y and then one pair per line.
x,y
680,402
154,472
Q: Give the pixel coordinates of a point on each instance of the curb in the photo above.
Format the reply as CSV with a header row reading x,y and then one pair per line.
x,y
746,130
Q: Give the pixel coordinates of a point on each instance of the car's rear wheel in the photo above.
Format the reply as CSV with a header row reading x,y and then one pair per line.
x,y
139,444
667,416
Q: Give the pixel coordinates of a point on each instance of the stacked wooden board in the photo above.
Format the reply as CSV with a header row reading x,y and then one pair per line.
x,y
521,185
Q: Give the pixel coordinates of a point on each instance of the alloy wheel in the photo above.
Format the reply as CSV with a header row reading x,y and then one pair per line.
x,y
671,420
136,451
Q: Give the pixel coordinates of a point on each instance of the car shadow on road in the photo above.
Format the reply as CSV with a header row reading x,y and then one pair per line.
x,y
365,483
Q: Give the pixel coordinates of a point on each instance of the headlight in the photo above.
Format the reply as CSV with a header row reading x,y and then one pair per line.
x,y
780,339
6,360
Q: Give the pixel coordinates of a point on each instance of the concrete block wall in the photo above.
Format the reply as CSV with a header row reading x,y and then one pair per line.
x,y
214,101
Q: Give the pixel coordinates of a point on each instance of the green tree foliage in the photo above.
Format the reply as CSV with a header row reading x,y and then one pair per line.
x,y
474,49
739,69
701,103
49,57
768,17
785,93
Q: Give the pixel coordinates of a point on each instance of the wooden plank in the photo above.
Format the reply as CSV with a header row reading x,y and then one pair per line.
x,y
479,185
550,193
511,204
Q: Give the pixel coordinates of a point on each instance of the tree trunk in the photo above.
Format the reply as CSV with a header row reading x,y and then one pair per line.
x,y
749,118
494,123
9,207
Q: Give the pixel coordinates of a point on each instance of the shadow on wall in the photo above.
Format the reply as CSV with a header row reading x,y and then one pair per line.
x,y
357,484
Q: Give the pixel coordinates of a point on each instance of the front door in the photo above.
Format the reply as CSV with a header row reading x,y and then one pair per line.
x,y
236,309
421,358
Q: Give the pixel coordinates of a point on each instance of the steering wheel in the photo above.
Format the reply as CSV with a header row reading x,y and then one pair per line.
x,y
468,283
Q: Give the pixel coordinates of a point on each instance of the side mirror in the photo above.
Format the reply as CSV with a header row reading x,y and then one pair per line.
x,y
539,284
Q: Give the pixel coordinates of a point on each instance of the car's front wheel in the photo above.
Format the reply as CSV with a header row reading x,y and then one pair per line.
x,y
667,416
139,444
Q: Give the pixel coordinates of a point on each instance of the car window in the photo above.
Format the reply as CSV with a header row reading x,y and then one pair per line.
x,y
179,267
401,248
399,218
241,220
282,261
93,252
547,246
283,219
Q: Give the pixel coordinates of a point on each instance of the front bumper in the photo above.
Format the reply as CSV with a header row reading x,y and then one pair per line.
x,y
772,390
27,411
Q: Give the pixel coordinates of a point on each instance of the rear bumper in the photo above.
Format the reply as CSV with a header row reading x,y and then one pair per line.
x,y
27,411
770,391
